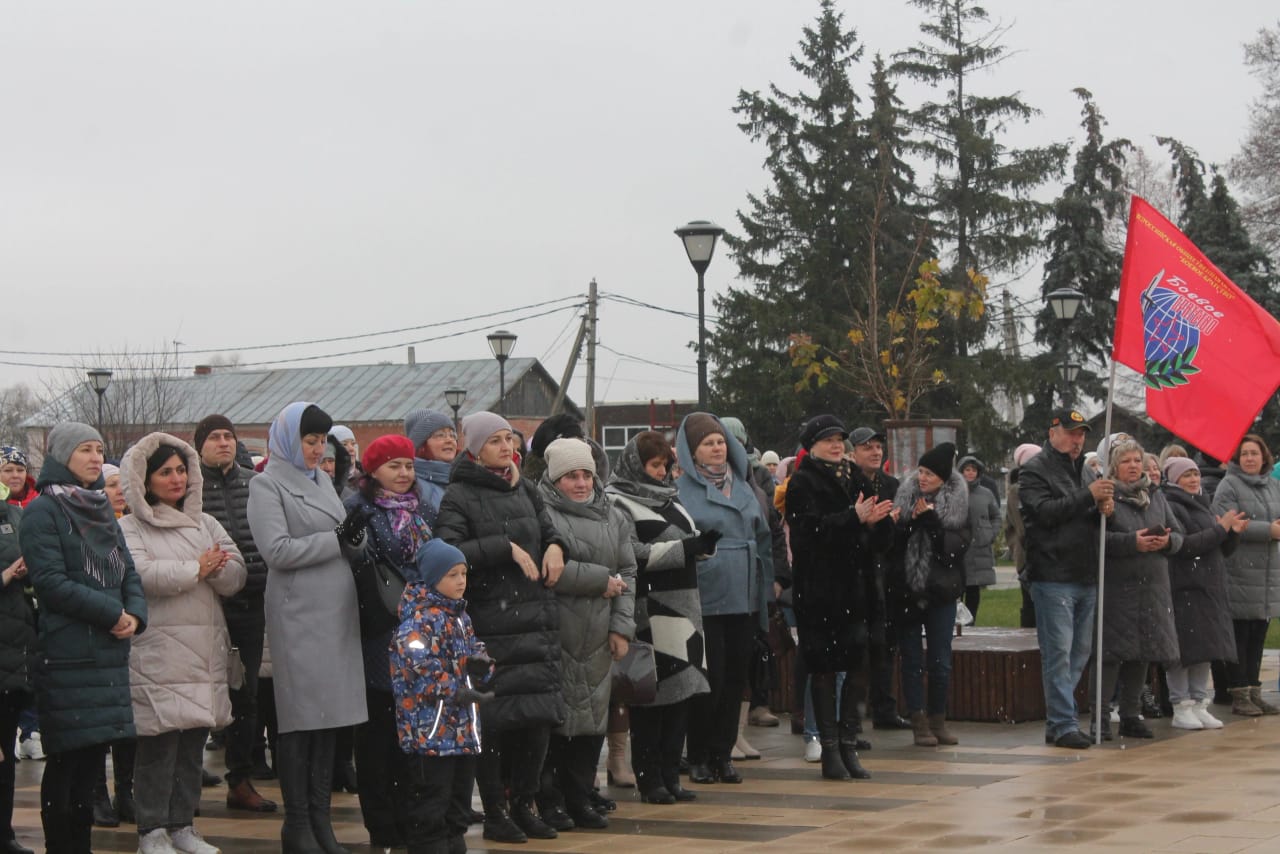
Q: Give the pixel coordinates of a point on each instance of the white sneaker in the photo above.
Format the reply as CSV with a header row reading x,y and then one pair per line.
x,y
1184,716
1201,711
31,748
812,750
1115,715
156,842
189,841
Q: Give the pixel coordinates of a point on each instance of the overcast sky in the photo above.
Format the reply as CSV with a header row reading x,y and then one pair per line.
x,y
234,174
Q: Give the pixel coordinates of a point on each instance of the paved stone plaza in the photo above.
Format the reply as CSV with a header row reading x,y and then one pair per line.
x,y
1002,788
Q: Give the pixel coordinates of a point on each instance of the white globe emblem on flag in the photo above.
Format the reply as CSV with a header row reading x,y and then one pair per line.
x,y
1170,337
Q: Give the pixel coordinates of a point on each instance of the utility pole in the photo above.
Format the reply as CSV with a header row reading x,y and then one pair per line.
x,y
591,359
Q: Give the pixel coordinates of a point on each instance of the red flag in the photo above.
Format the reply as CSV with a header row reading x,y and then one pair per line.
x,y
1209,355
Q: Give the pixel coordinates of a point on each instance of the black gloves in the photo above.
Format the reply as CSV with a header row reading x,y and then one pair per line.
x,y
351,530
700,545
479,665
467,695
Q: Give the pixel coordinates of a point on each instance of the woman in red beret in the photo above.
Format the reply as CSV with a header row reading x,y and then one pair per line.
x,y
388,500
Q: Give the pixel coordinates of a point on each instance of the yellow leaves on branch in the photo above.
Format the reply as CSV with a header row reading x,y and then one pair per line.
x,y
892,358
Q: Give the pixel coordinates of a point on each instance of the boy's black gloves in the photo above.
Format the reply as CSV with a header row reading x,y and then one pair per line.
x,y
702,544
479,665
467,695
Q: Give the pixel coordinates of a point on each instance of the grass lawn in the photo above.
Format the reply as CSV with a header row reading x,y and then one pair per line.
x,y
1001,607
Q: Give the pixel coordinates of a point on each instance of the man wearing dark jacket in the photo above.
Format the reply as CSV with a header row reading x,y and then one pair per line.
x,y
1061,499
868,456
226,498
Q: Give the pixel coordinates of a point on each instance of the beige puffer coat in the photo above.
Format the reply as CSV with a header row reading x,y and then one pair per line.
x,y
178,667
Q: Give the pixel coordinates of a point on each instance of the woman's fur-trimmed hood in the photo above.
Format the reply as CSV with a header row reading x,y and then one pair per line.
x,y
133,480
951,502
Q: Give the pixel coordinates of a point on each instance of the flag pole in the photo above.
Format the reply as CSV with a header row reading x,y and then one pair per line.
x,y
1102,555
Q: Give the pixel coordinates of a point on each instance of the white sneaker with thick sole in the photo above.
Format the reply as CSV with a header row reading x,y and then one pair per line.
x,y
156,842
1201,711
812,750
189,841
31,747
1184,716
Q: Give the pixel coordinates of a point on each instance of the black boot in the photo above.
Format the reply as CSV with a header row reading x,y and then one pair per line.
x,y
293,766
850,726
321,790
822,690
499,827
104,815
526,819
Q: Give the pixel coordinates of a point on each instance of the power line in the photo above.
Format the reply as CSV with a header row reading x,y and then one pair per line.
x,y
626,300
668,366
290,343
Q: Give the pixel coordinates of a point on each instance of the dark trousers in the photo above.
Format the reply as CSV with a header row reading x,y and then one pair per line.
x,y
439,801
383,768
11,705
569,773
123,753
266,721
511,761
1027,616
246,627
713,717
657,737
972,599
1125,678
167,778
1251,635
66,799
880,657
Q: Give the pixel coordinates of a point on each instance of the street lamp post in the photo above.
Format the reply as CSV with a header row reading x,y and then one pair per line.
x,y
99,379
454,397
700,238
1065,302
501,343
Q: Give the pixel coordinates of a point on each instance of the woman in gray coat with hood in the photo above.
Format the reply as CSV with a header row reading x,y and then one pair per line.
x,y
1253,572
596,599
313,623
984,522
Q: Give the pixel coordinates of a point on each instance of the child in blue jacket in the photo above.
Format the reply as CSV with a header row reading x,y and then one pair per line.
x,y
435,655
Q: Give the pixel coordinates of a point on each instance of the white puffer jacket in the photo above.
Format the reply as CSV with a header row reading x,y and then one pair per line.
x,y
178,667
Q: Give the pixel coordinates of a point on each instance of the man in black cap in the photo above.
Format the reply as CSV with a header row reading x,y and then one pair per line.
x,y
868,456
226,498
1061,502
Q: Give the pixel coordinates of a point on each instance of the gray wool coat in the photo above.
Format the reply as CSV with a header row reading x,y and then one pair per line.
x,y
599,538
313,624
1253,571
984,523
1138,622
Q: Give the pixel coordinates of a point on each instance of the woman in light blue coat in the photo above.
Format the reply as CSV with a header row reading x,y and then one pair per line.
x,y
734,584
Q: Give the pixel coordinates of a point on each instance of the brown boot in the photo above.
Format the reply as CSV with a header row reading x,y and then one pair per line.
x,y
920,726
1255,697
243,796
1242,703
938,726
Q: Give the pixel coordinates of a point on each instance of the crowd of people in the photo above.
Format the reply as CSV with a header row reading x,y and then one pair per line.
x,y
449,612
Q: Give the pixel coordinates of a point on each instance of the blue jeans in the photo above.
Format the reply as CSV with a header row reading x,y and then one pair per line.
x,y
1064,627
939,624
810,722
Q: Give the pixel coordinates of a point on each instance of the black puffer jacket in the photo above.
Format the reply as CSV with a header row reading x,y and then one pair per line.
x,y
1198,579
226,498
517,619
1059,517
17,620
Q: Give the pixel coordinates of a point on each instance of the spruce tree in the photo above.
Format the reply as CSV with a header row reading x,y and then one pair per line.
x,y
802,244
982,193
1081,258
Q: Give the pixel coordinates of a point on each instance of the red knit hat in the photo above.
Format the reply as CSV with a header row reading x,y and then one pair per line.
x,y
384,448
